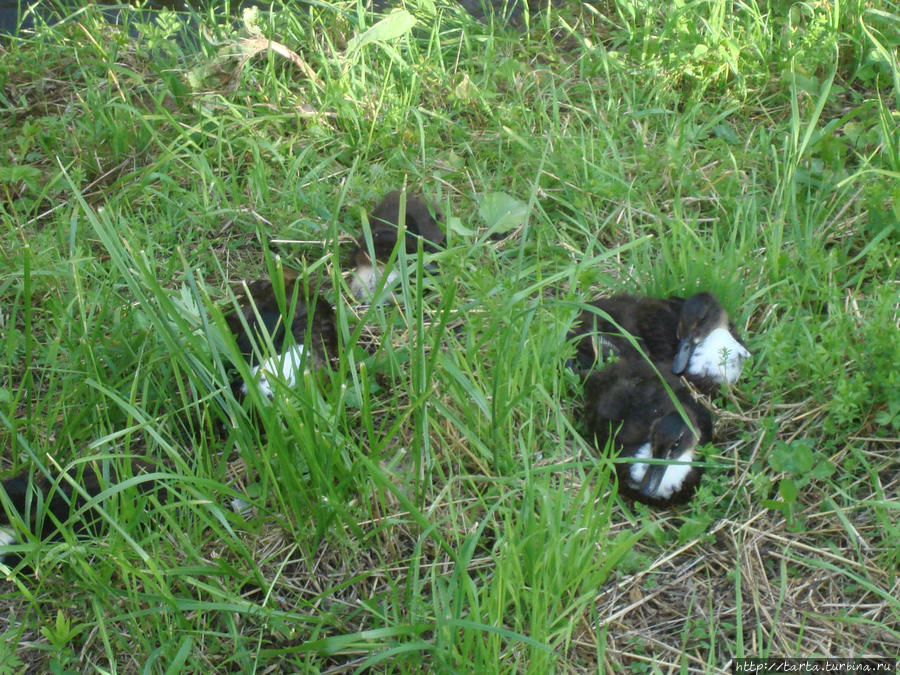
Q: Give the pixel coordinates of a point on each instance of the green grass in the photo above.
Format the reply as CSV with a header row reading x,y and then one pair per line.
x,y
430,504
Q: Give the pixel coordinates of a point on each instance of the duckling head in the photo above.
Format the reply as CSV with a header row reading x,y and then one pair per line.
x,y
420,217
366,272
421,223
706,347
670,439
384,238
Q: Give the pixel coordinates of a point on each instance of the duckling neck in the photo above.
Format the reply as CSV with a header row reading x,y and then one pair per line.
x,y
366,279
286,366
638,469
7,538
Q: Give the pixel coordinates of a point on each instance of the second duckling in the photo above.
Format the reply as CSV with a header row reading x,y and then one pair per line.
x,y
260,323
46,505
421,220
626,404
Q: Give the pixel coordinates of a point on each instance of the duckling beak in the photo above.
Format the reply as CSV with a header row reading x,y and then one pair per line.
x,y
652,478
683,356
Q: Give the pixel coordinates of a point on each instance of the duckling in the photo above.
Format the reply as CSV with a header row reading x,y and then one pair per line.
x,y
313,332
60,502
627,405
421,222
693,335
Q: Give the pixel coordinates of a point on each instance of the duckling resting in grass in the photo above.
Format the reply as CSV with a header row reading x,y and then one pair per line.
x,y
421,220
44,506
692,335
259,327
627,405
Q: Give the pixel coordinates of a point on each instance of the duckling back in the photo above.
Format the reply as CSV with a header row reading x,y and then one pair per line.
x,y
624,398
652,322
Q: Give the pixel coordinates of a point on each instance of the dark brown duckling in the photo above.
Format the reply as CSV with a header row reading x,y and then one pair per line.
x,y
43,505
259,328
692,335
421,220
626,404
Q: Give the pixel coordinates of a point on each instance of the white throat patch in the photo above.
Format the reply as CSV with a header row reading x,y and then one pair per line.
x,y
672,479
718,356
366,279
285,366
7,538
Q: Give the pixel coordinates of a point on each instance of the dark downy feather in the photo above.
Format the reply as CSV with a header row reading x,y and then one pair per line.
x,y
624,400
35,498
664,329
313,323
652,321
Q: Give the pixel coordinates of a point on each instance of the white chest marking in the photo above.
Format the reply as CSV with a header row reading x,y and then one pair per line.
x,y
672,479
286,366
718,356
7,538
366,279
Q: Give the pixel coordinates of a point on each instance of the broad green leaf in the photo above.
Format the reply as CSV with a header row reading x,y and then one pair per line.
x,y
501,212
12,174
455,225
397,23
822,470
796,458
693,527
465,90
787,488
